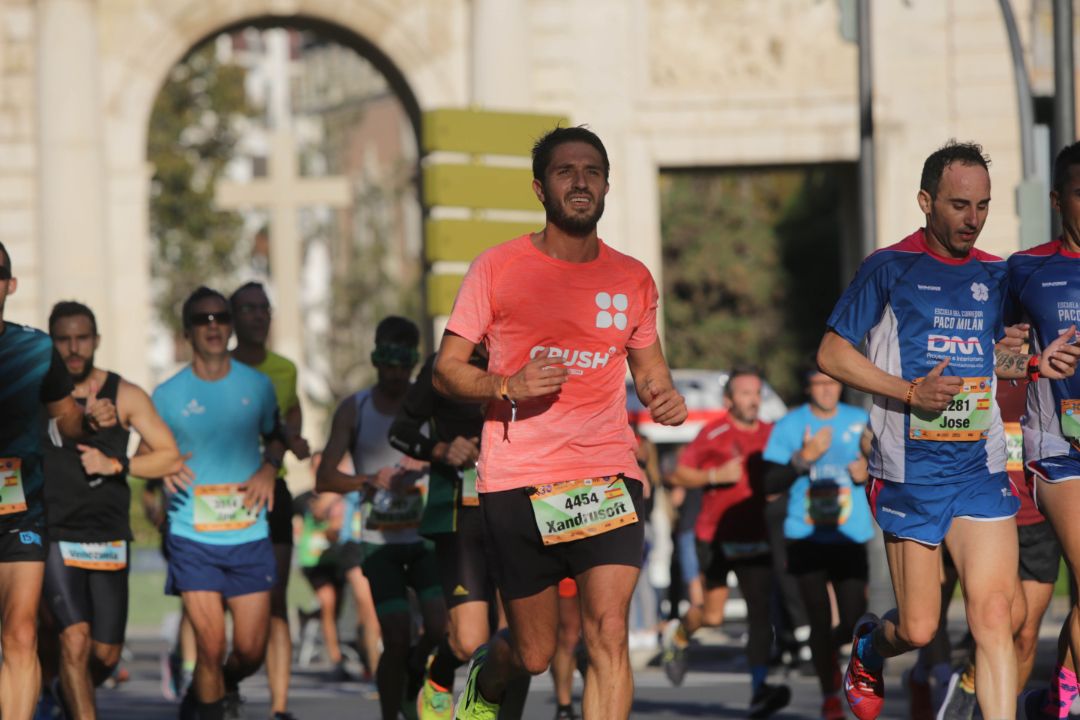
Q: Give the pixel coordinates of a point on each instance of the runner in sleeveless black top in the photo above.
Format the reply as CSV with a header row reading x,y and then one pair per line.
x,y
87,502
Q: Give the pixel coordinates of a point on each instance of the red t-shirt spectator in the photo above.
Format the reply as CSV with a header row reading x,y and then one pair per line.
x,y
731,513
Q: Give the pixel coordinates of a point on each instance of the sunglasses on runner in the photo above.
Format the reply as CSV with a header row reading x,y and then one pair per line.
x,y
220,318
5,272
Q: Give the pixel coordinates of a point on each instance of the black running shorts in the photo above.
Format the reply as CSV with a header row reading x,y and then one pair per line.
x,y
463,564
1040,553
97,597
523,566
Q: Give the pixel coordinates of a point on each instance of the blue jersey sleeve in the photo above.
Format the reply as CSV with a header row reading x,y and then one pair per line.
x,y
784,440
860,307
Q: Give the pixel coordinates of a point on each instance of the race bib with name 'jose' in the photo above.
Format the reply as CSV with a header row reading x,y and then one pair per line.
x,y
967,416
577,509
221,507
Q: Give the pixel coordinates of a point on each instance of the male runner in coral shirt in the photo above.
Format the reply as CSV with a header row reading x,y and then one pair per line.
x,y
561,314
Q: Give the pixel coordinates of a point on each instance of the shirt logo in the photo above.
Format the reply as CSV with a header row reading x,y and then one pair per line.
x,y
1055,283
193,408
980,292
605,318
245,401
929,288
953,345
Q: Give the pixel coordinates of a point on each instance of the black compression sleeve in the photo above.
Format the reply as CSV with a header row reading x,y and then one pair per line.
x,y
778,478
416,410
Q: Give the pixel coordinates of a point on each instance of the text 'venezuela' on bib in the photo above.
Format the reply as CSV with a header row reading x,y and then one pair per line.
x,y
94,556
967,416
12,496
221,507
577,509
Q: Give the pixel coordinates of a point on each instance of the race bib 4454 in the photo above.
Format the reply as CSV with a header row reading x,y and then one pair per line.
x,y
577,509
221,507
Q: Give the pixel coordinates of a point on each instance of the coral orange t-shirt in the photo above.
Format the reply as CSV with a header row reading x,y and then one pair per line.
x,y
522,303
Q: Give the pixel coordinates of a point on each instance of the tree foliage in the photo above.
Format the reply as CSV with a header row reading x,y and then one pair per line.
x,y
193,130
751,268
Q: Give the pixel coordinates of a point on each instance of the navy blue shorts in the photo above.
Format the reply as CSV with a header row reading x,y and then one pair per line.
x,y
924,513
231,570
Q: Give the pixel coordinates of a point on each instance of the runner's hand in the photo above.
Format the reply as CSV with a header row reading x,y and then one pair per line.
x,y
180,480
1059,359
1016,336
540,377
858,470
101,413
814,446
731,471
383,479
95,462
461,452
936,391
299,447
666,405
259,489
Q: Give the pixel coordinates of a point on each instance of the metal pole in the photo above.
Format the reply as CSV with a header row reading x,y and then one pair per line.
x,y
1064,82
867,213
1023,91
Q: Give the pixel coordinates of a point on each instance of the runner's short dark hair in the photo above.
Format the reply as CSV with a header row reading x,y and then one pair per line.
x,y
545,148
968,153
741,371
1069,156
71,308
253,285
201,293
396,330
7,257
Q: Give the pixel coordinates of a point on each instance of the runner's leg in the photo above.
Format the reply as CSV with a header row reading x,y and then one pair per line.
x,y
604,592
279,649
526,647
564,660
251,622
205,610
914,622
367,621
20,672
1037,596
986,554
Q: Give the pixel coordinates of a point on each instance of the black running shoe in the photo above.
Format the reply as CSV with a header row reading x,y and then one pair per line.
x,y
768,699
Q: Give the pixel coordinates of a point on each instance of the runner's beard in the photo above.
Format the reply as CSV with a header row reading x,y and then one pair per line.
x,y
574,226
88,367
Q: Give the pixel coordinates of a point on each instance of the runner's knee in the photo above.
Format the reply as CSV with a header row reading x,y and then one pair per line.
x,y
210,652
917,632
75,643
107,656
18,638
606,634
990,614
711,616
536,659
464,639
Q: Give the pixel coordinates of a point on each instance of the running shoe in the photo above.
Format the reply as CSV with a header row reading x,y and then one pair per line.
x,y
920,700
471,705
1031,705
170,671
959,704
435,703
674,656
832,708
565,712
234,706
864,688
768,699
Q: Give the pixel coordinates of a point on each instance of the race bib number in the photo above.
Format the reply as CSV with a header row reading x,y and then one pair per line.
x,y
95,556
578,509
396,512
1070,420
221,507
966,418
828,505
12,497
469,495
1014,447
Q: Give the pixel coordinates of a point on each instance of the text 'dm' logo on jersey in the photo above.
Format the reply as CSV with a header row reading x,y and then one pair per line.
x,y
612,310
953,345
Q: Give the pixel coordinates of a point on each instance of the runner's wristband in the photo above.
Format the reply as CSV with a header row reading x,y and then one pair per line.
x,y
910,392
1033,368
504,391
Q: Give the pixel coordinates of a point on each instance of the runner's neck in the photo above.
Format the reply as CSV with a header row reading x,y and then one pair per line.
x,y
211,367
555,243
250,353
822,413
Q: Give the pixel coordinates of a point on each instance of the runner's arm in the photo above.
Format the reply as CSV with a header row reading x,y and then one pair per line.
x,y
136,411
417,408
777,478
329,478
456,378
655,389
691,477
840,360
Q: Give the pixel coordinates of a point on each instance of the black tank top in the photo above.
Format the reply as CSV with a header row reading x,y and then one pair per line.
x,y
81,507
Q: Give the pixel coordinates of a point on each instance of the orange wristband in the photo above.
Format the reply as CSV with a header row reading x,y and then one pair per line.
x,y
910,392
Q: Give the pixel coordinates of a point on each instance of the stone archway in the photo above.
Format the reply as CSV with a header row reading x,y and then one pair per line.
x,y
122,58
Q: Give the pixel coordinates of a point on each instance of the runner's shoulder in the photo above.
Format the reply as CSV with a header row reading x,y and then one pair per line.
x,y
1031,257
174,383
274,361
26,336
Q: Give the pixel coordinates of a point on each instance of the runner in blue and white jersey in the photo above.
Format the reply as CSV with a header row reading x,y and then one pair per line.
x,y
1044,291
225,419
931,310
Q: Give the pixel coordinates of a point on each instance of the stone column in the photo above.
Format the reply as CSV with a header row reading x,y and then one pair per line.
x,y
499,57
72,176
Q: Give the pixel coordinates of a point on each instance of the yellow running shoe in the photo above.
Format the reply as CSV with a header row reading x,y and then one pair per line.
x,y
436,703
471,705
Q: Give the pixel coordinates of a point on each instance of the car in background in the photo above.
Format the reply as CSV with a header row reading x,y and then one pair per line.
x,y
704,393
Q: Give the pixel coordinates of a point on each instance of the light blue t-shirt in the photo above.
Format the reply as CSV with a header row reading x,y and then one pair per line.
x,y
823,505
221,424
